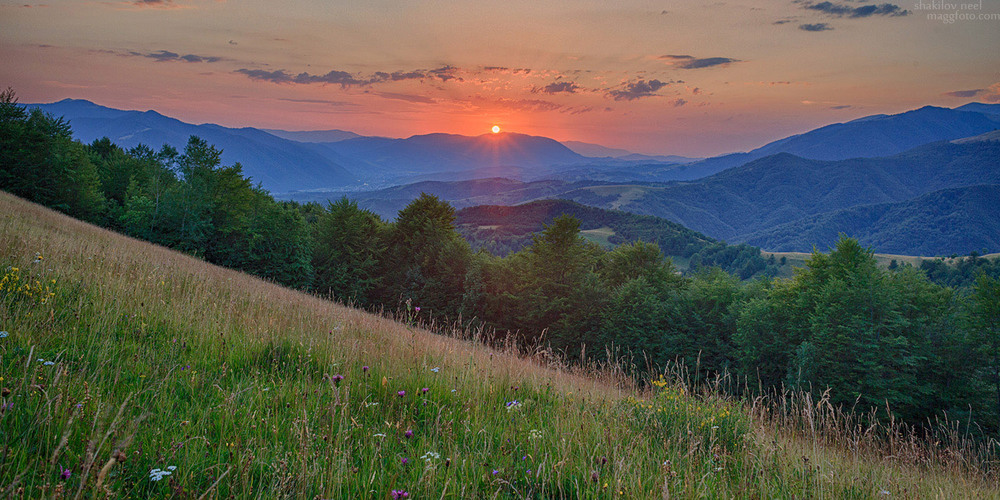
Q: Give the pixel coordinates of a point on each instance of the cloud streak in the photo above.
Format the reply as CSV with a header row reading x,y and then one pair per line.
x,y
816,27
637,90
691,62
168,56
964,93
841,10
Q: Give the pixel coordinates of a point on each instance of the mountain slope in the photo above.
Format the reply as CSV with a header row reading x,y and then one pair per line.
x,y
436,153
951,221
868,137
332,135
514,223
782,188
278,164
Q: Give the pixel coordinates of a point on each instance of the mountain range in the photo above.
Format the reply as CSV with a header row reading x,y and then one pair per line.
x,y
790,194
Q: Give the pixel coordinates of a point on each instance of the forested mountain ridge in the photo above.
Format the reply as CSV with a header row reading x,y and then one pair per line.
x,y
957,220
507,229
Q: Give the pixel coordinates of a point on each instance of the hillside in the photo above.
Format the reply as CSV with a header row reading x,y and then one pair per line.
x,y
782,188
867,137
279,164
132,370
958,221
506,229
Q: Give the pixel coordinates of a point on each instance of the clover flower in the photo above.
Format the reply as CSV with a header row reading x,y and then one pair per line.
x,y
398,494
424,390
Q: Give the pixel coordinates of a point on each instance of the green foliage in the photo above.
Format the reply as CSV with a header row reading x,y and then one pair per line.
x,y
348,250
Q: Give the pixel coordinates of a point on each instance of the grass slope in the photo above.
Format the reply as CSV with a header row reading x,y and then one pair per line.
x,y
123,361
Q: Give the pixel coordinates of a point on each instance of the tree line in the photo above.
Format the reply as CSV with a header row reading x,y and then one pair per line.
x,y
875,337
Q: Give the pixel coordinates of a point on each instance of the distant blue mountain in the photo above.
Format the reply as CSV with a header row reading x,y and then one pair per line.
x,y
950,221
868,137
332,135
485,155
278,164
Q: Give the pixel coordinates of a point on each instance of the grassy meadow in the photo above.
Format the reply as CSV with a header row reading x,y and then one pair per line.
x,y
129,370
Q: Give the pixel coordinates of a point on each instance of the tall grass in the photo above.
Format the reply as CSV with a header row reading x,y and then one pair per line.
x,y
129,370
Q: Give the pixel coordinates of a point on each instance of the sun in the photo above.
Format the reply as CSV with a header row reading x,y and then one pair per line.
x,y
496,129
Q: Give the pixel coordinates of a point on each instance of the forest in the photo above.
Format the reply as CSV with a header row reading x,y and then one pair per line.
x,y
873,337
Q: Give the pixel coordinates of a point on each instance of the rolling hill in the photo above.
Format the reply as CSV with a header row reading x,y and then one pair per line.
x,y
950,221
783,188
278,164
867,137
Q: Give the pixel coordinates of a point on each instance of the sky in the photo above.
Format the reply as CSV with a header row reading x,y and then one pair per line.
x,y
656,77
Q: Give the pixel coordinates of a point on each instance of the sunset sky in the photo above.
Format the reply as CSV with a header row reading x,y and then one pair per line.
x,y
670,77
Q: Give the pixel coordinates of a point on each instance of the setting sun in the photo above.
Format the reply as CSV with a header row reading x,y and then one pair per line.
x,y
496,129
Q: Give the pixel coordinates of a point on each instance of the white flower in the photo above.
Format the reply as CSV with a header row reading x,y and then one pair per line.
x,y
436,369
158,474
371,403
430,456
534,434
454,390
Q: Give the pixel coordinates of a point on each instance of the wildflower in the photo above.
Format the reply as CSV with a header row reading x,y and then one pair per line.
x,y
404,460
4,334
435,369
430,456
424,390
337,378
408,434
371,403
49,363
64,475
417,308
401,393
883,492
513,405
454,390
495,472
534,434
594,476
364,369
158,474
397,494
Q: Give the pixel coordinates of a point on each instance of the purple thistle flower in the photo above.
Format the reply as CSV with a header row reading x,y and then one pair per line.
x,y
404,460
424,390
364,368
337,378
408,434
66,473
401,393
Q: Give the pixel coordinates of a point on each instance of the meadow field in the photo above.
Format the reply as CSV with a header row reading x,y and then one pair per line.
x,y
130,370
